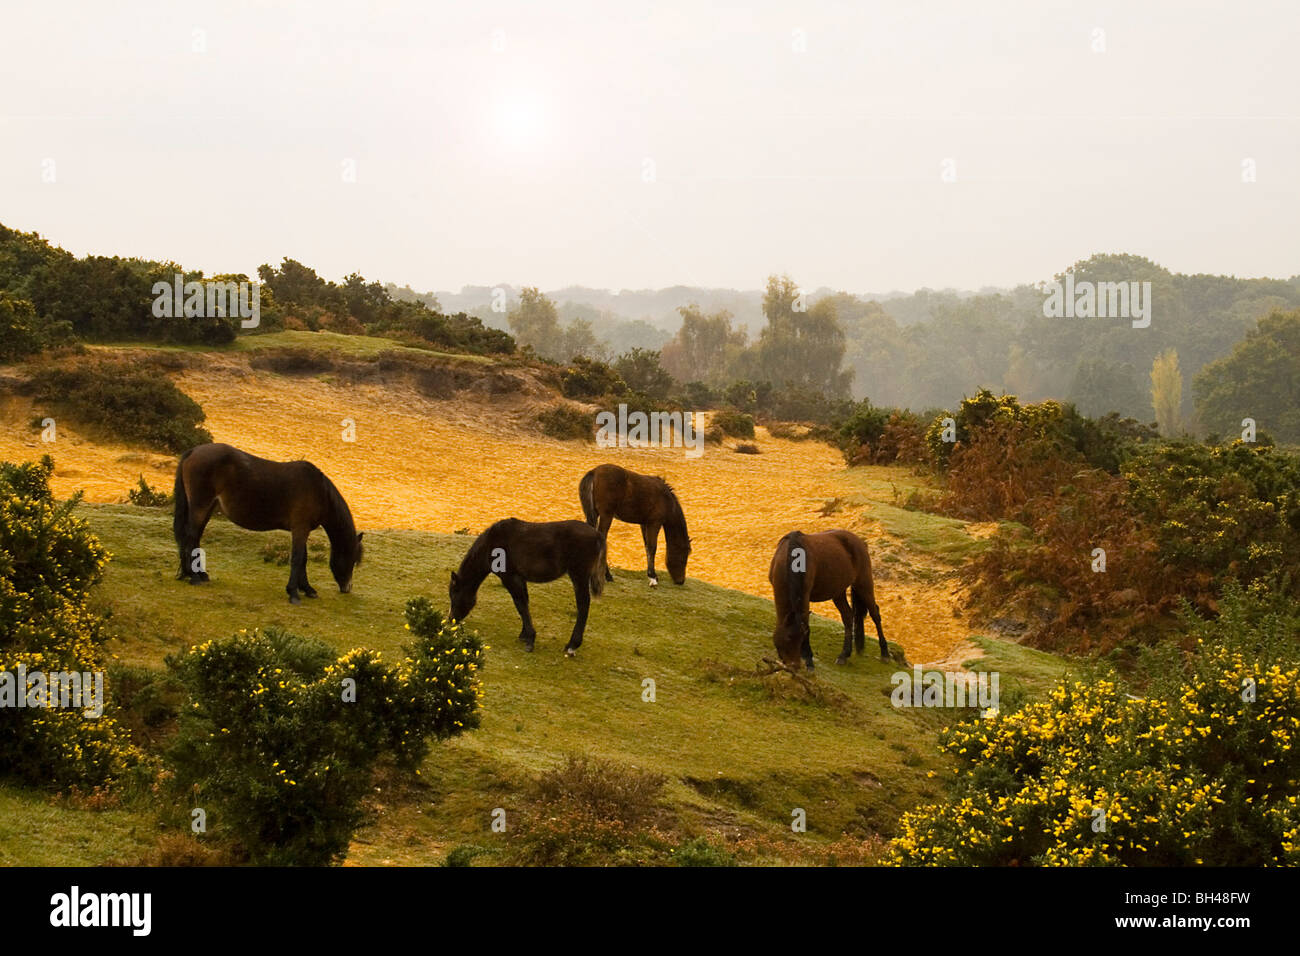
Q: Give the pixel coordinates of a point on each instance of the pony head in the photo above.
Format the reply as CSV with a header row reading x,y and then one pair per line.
x,y
679,549
788,638
343,561
463,597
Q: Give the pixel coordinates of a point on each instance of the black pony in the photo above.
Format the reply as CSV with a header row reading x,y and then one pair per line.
x,y
522,551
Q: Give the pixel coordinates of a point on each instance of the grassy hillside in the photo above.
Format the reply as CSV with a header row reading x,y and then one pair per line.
x,y
737,754
740,749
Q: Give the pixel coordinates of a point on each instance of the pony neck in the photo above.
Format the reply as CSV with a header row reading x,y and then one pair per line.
x,y
339,527
474,566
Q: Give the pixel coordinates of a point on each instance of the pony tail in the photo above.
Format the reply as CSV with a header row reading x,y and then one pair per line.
x,y
588,499
181,501
598,570
795,579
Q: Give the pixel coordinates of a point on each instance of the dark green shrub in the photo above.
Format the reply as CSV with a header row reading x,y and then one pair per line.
x,y
126,404
566,422
700,852
147,497
643,372
279,740
733,423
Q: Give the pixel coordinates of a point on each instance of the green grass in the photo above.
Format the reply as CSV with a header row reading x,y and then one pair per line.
x,y
36,831
740,751
353,346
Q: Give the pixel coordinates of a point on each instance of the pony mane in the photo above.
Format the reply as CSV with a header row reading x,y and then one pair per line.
x,y
676,516
474,556
340,527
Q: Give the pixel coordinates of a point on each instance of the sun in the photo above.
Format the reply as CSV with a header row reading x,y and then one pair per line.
x,y
520,120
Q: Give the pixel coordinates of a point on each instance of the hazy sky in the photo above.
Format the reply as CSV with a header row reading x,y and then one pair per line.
x,y
508,142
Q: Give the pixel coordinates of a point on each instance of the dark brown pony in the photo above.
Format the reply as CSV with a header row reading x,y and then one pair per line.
x,y
522,551
261,495
821,567
608,492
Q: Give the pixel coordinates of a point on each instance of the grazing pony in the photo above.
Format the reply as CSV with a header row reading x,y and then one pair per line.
x,y
522,551
261,495
821,567
608,492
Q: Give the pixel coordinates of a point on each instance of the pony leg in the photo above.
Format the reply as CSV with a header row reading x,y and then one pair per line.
x,y
650,535
806,649
518,589
846,615
188,542
297,568
603,528
582,595
874,610
307,589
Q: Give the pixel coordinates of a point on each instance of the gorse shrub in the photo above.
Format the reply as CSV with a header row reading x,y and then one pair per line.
x,y
590,379
279,739
49,561
126,404
1091,776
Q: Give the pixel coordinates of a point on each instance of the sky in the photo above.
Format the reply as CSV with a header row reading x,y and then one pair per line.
x,y
858,146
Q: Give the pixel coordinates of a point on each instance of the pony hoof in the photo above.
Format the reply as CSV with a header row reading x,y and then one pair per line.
x,y
198,579
568,651
295,599
841,659
310,594
654,582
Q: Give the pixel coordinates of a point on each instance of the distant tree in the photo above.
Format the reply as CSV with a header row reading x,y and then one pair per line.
x,y
577,339
535,323
801,345
1100,387
1167,392
703,347
1259,379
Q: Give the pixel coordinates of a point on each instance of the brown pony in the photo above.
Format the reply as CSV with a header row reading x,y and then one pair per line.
x,y
608,492
521,551
261,495
821,567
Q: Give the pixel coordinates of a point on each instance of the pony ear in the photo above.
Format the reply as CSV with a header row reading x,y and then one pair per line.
x,y
360,535
454,578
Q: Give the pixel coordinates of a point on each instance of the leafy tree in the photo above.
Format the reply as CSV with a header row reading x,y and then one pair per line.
x,y
1260,379
535,323
801,345
704,347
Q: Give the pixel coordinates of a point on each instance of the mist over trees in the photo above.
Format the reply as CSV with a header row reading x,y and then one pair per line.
x,y
1234,339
